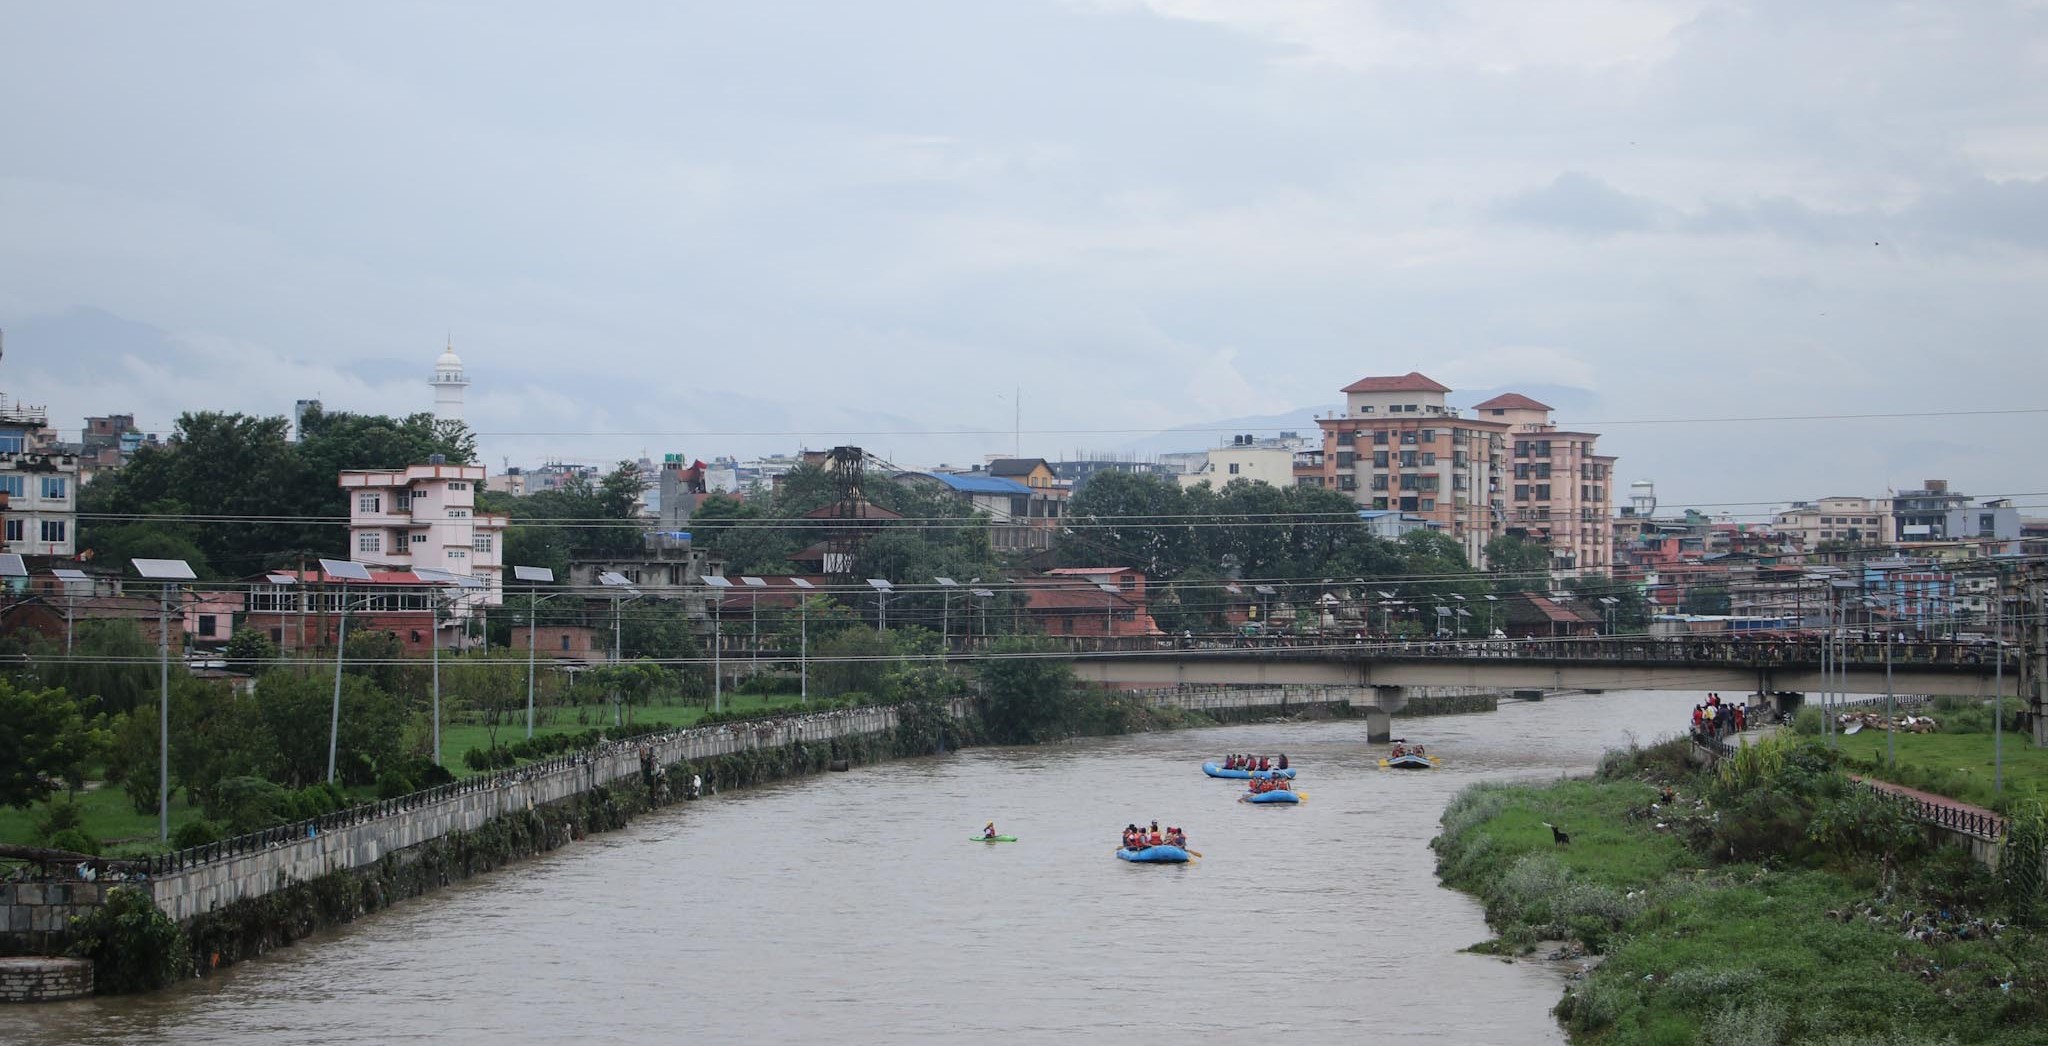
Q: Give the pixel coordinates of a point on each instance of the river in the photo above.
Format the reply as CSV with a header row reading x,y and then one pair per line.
x,y
852,908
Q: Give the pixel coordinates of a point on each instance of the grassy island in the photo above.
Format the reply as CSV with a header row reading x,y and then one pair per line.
x,y
1771,900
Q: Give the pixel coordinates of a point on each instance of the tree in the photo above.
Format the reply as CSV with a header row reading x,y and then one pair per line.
x,y
488,685
1128,519
251,651
1707,599
296,709
43,742
1520,564
631,683
112,668
1028,699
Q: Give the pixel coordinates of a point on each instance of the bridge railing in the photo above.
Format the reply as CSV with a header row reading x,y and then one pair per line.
x,y
1737,649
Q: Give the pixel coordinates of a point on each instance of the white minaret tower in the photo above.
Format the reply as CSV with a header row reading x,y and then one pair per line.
x,y
448,383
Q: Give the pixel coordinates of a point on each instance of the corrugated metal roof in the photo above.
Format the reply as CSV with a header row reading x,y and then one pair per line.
x,y
981,484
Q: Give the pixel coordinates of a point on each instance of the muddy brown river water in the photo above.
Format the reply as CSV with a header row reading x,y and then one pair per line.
x,y
852,908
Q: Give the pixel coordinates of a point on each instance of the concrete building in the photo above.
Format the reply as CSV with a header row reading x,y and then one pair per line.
x,y
1268,461
425,516
1070,601
1923,515
303,610
448,384
1398,446
38,486
1559,490
1993,527
1837,522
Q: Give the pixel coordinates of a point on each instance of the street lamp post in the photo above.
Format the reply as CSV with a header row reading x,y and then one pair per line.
x,y
70,579
618,585
946,587
346,571
1108,610
882,587
170,572
754,587
803,639
534,578
715,604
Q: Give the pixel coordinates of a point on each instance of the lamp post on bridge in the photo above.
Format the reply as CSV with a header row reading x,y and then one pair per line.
x,y
716,605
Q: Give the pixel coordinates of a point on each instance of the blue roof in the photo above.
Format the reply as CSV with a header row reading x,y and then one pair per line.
x,y
982,484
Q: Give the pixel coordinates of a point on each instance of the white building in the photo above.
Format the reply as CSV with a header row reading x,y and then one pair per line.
x,y
1268,461
425,516
448,384
1838,522
38,487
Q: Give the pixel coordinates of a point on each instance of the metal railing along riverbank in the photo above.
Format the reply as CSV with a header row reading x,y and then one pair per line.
x,y
693,743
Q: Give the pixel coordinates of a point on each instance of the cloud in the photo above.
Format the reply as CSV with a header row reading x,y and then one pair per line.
x,y
1579,203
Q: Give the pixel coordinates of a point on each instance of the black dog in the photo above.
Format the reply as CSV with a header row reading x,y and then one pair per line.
x,y
1558,834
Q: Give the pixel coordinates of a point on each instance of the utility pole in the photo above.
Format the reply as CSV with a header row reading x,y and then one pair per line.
x,y
2037,657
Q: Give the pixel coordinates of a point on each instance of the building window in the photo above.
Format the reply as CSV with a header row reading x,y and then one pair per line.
x,y
1429,435
1429,504
1521,492
12,486
458,485
1543,492
56,488
208,626
369,502
458,513
1379,459
1428,458
369,542
15,529
1379,437
1233,468
419,538
480,543
456,553
10,443
54,530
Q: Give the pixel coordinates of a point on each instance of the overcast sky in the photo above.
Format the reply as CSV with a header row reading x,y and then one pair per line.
x,y
846,221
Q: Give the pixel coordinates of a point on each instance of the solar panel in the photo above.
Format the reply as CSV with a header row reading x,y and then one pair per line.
x,y
753,582
1265,590
1111,589
801,583
613,578
12,566
716,582
947,582
339,569
533,574
982,592
283,579
168,569
881,584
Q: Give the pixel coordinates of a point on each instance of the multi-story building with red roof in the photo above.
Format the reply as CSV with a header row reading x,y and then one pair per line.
x,y
1504,469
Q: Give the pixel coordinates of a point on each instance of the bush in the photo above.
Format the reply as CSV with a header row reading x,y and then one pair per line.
x,y
393,784
1807,721
247,804
133,946
196,833
76,841
58,816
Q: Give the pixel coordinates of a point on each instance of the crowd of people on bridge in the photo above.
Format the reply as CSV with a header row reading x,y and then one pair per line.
x,y
1712,720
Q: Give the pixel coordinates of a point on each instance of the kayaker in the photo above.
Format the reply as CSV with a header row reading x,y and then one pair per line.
x,y
990,831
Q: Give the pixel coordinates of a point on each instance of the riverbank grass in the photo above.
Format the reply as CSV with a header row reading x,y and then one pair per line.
x,y
1845,932
1960,766
108,816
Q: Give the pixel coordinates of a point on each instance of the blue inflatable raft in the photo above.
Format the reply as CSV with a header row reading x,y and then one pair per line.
x,y
1216,770
1278,795
1155,855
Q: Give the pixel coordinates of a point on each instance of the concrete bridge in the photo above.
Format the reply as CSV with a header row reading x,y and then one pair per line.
x,y
1690,665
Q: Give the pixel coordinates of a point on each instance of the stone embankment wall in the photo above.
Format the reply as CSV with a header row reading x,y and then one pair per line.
x,y
38,915
210,884
37,979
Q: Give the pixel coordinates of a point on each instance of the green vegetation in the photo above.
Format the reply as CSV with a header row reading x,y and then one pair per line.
x,y
1770,901
1955,765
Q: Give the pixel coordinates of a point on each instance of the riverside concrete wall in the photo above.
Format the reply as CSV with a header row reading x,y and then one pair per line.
x,y
35,917
194,890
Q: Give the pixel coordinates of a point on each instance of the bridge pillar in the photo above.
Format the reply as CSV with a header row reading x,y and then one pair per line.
x,y
1379,726
1390,699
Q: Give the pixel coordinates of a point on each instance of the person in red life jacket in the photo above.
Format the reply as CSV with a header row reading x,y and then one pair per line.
x,y
1265,763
